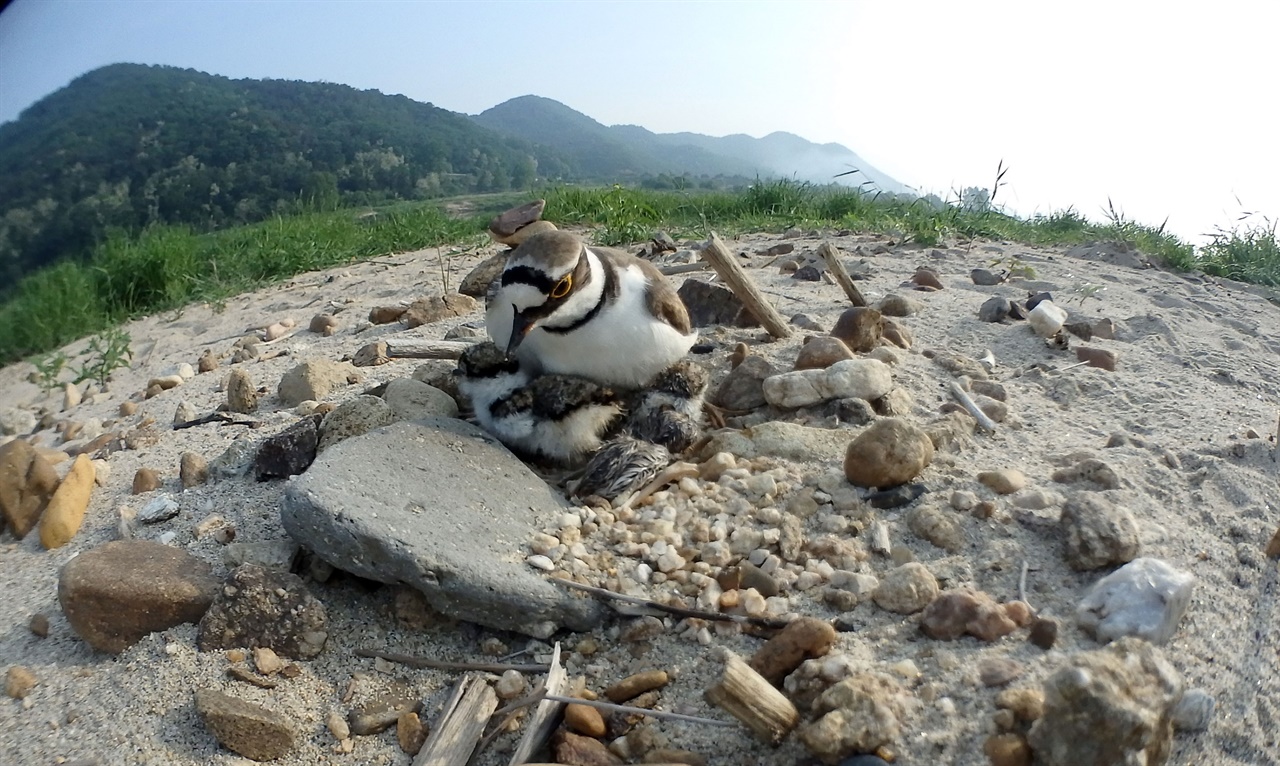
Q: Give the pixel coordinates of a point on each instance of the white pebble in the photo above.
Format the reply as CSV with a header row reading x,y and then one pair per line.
x,y
758,556
670,561
717,553
753,603
769,515
807,581
510,686
541,562
570,521
643,573
906,668
777,605
946,706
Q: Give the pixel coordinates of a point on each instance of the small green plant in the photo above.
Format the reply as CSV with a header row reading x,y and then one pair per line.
x,y
48,368
108,351
1087,290
1015,266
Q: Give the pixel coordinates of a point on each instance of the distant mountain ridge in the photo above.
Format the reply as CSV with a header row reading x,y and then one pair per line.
x,y
633,151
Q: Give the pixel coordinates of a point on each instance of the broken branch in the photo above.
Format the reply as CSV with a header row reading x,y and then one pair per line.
x,y
727,266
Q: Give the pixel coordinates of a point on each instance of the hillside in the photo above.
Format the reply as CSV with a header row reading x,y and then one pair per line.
x,y
630,150
129,145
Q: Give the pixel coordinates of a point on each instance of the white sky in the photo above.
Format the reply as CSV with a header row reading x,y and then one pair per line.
x,y
1167,108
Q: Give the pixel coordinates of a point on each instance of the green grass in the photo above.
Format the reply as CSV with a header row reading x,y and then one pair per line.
x,y
167,267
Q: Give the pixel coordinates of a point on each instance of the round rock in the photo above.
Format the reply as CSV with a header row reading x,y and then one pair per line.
x,y
116,594
262,607
889,452
906,589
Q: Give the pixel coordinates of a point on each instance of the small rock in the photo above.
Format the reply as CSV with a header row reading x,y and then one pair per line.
x,y
1003,482
1044,632
895,305
822,352
1144,598
998,671
39,625
965,611
927,278
901,495
802,639
896,334
313,379
18,682
128,408
323,324
1026,703
263,607
70,396
387,314
1194,711
267,661
1007,750
28,483
277,330
937,526
853,410
185,412
1097,357
65,513
289,452
906,589
1097,531
410,399
1047,319
251,730
158,509
242,395
510,685
192,470
17,422
986,277
411,733
1090,470
994,309
636,684
1108,707
477,282
714,304
145,480
372,354
383,711
235,460
810,272
860,328
437,307
889,452
577,750
353,418
584,720
117,593
959,365
895,403
337,725
208,361
857,715
806,322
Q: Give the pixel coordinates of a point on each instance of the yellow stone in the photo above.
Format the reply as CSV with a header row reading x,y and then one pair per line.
x,y
62,519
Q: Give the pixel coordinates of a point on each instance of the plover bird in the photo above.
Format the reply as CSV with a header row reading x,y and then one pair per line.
x,y
558,417
668,411
622,466
565,308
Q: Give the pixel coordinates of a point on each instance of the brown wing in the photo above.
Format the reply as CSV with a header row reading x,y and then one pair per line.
x,y
663,301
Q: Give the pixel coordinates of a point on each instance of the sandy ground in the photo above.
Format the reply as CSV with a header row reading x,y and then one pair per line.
x,y
1197,373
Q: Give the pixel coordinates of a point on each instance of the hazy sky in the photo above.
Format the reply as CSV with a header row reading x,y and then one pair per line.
x,y
1166,108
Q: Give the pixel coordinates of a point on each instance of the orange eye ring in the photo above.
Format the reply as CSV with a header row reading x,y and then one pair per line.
x,y
562,287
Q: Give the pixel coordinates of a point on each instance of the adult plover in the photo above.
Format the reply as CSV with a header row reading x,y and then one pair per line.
x,y
557,417
566,308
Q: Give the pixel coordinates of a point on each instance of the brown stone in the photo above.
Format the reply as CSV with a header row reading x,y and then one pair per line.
x,y
576,750
1007,750
1026,703
821,352
145,480
128,408
860,328
262,607
18,682
193,470
508,222
584,720
961,611
1097,357
242,395
411,733
802,639
438,307
1273,547
636,684
324,324
1003,482
887,453
525,232
386,314
1044,632
251,730
208,362
65,513
998,671
476,284
27,484
896,333
39,625
117,593
927,278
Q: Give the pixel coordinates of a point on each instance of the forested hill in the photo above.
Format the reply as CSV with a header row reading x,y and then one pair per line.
x,y
127,145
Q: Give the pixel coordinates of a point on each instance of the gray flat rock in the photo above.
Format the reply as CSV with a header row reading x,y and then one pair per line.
x,y
444,507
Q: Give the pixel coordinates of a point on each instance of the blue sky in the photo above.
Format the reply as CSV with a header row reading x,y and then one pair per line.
x,y
1166,111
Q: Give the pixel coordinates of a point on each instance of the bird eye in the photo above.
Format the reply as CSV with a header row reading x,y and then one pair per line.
x,y
562,287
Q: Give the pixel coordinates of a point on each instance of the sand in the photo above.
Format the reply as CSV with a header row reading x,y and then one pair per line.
x,y
1195,386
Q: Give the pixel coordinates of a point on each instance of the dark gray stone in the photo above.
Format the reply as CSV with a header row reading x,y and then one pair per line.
x,y
260,607
289,452
710,304
743,388
995,309
442,506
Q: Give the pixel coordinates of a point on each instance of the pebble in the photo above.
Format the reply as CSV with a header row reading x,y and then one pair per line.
x,y
158,509
937,526
1098,532
994,309
894,305
803,639
585,720
1097,357
906,589
636,684
998,671
962,500
642,629
986,277
185,412
313,379
352,418
966,611
27,484
267,661
337,725
1044,632
856,715
1026,702
289,452
887,453
859,328
411,399
242,394
862,378
1194,711
822,352
18,682
435,308
896,334
208,361
193,470
1145,598
510,685
1003,482
1007,750
411,733
246,728
383,711
1091,470
39,625
570,748
264,607
323,324
65,513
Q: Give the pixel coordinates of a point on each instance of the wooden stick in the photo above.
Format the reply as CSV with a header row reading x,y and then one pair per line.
x,y
1022,583
727,266
422,662
972,408
831,255
679,611
545,715
683,268
747,696
426,349
461,721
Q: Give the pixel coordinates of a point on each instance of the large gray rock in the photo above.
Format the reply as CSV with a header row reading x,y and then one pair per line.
x,y
1144,598
442,506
